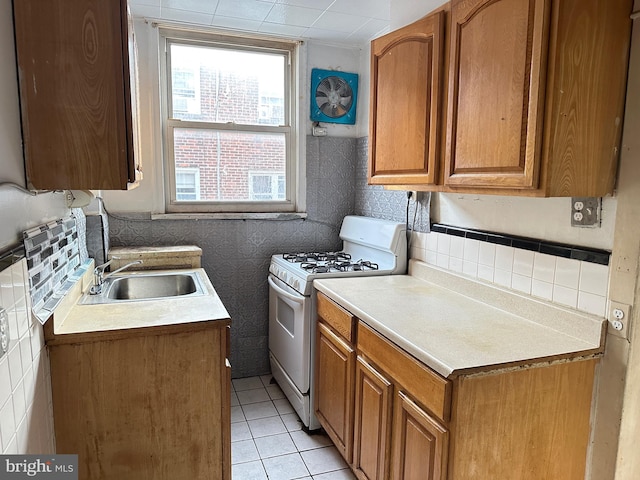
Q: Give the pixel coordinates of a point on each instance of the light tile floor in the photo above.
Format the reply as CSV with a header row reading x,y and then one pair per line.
x,y
267,440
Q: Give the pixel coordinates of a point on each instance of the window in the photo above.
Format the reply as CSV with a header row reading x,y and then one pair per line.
x,y
187,184
228,118
266,186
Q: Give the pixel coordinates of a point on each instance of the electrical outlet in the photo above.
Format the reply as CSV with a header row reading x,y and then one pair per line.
x,y
414,196
585,212
619,314
4,332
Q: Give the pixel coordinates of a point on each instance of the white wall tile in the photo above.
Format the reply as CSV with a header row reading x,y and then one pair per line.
x,y
544,267
455,264
470,268
6,289
471,249
444,243
5,384
521,283
542,289
502,277
565,296
567,273
432,241
594,278
485,272
418,253
7,423
442,260
25,379
590,303
419,239
523,262
487,254
504,258
431,258
456,248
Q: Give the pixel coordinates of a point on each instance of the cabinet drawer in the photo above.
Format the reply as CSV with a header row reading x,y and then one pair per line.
x,y
426,386
336,316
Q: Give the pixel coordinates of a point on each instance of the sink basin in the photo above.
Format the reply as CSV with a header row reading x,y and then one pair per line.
x,y
135,287
151,286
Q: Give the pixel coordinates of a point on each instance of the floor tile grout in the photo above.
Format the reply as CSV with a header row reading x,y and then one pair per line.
x,y
294,453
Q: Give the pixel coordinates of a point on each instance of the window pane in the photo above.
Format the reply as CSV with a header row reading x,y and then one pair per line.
x,y
225,161
227,85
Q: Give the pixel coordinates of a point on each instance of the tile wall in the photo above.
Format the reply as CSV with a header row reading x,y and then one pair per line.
x,y
236,253
565,281
26,414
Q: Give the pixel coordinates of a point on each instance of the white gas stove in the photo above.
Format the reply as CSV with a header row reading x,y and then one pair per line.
x,y
370,247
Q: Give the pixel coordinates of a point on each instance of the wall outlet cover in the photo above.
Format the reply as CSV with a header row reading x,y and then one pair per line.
x,y
585,212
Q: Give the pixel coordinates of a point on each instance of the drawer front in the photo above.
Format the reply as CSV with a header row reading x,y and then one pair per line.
x,y
426,386
336,316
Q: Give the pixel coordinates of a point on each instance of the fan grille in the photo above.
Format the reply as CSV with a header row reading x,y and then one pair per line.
x,y
334,97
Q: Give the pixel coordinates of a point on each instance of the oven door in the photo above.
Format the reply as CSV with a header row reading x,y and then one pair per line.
x,y
289,331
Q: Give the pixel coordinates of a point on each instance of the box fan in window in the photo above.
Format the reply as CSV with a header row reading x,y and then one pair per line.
x,y
333,96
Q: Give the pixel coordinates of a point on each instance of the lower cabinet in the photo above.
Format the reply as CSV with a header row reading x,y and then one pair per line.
x,y
372,423
392,417
334,384
150,403
419,443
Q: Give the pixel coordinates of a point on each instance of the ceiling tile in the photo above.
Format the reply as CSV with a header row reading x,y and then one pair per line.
x,y
235,23
202,6
186,16
326,35
319,4
151,3
247,9
292,15
144,11
339,22
280,29
371,8
370,30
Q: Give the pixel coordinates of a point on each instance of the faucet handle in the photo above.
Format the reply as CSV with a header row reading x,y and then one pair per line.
x,y
100,268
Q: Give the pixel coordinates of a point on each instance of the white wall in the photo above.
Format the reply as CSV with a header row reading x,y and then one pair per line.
x,y
18,211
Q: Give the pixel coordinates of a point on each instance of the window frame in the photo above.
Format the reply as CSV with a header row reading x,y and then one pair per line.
x,y
293,183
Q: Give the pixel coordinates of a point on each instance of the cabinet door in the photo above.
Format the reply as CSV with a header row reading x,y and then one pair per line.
x,y
335,362
406,69
419,443
372,423
496,93
73,77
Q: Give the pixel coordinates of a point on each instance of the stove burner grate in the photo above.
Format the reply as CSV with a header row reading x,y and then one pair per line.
x,y
305,257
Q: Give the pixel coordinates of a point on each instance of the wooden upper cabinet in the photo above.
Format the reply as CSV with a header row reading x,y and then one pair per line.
x,y
533,105
406,71
496,87
75,79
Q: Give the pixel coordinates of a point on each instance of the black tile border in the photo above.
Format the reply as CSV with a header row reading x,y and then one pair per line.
x,y
10,256
591,255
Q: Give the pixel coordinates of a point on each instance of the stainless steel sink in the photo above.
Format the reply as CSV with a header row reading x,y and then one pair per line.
x,y
147,286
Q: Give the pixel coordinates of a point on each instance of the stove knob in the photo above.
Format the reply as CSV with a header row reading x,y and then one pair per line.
x,y
296,285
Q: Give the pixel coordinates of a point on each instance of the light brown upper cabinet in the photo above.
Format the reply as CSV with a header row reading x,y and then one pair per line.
x,y
76,81
406,79
534,99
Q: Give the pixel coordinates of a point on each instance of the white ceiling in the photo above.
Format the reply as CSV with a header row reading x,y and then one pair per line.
x,y
344,22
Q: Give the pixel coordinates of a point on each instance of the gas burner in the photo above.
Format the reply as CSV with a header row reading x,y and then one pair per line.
x,y
313,267
364,265
310,257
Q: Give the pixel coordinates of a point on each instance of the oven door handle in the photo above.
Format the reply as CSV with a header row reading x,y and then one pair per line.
x,y
298,299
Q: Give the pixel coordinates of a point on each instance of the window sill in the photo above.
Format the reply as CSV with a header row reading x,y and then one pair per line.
x,y
230,216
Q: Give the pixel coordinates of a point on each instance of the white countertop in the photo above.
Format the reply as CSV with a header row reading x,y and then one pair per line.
x,y
483,328
74,318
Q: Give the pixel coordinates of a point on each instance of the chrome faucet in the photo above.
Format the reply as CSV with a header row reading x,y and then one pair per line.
x,y
99,275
